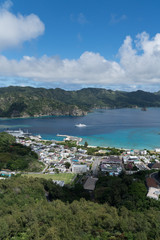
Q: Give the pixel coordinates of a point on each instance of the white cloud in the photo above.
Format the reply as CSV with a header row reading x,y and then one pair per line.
x,y
7,5
116,19
79,37
139,65
90,68
80,18
16,29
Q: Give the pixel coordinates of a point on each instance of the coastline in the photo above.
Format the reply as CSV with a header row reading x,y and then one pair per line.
x,y
120,128
37,117
100,146
67,115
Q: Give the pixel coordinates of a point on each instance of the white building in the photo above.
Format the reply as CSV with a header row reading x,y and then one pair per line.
x,y
153,193
79,168
157,150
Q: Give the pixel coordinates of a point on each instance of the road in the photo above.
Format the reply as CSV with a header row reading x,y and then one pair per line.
x,y
46,166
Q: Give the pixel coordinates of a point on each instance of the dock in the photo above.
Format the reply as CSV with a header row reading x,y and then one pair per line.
x,y
70,138
60,135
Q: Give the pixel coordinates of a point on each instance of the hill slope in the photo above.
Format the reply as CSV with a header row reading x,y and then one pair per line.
x,y
26,214
28,101
14,156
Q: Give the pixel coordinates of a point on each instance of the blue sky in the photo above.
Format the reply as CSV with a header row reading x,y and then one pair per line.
x,y
80,43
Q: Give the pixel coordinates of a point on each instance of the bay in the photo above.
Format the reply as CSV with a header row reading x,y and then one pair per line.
x,y
126,128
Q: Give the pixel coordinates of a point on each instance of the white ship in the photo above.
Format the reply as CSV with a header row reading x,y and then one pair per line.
x,y
80,125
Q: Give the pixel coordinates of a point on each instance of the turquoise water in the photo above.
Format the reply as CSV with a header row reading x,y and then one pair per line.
x,y
127,138
126,128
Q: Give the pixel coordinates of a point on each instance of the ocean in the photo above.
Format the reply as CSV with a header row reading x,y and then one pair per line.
x,y
122,128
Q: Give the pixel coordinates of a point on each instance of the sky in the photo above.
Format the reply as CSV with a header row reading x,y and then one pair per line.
x,y
73,44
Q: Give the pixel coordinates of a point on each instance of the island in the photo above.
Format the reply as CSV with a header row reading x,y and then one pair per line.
x,y
36,102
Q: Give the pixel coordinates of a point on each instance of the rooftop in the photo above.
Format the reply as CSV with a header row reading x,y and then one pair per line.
x,y
90,183
151,182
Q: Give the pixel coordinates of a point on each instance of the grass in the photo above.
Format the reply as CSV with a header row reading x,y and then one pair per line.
x,y
66,177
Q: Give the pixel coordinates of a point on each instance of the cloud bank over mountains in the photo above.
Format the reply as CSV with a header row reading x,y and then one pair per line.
x,y
137,63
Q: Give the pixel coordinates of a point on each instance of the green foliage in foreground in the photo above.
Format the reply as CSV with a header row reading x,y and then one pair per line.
x,y
128,191
26,214
15,156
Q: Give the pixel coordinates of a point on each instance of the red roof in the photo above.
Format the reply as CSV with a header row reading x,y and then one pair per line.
x,y
151,182
156,166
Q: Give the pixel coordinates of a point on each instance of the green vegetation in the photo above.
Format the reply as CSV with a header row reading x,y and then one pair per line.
x,y
66,177
86,144
67,165
108,151
129,191
26,213
15,156
93,150
28,101
68,144
33,207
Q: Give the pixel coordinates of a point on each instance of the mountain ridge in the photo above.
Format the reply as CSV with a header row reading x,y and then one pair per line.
x,y
18,101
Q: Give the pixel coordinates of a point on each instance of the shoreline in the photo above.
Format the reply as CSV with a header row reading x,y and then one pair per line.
x,y
44,116
88,112
81,139
106,147
124,137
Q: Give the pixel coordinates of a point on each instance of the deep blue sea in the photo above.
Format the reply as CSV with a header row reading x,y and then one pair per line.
x,y
126,128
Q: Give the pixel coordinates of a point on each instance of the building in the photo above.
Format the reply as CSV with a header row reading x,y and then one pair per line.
x,y
143,152
18,133
133,159
58,182
156,166
151,182
112,160
153,188
157,150
6,173
90,184
111,169
153,193
79,168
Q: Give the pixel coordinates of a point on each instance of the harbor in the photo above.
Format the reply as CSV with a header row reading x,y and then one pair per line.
x,y
120,128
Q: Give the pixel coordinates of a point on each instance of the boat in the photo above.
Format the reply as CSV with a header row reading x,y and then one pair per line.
x,y
144,109
80,125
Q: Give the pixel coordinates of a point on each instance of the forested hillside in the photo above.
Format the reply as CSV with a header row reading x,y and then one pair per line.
x,y
15,156
28,101
38,209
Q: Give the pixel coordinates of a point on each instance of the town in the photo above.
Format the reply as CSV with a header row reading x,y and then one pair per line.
x,y
88,162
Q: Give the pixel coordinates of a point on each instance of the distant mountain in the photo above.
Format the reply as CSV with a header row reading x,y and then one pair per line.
x,y
28,101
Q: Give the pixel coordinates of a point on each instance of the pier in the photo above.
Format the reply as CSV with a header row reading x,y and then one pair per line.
x,y
70,138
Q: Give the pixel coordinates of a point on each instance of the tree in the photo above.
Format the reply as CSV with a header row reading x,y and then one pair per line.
x,y
57,170
86,144
67,165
